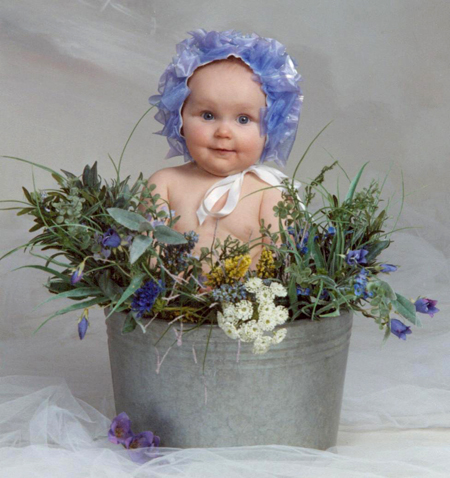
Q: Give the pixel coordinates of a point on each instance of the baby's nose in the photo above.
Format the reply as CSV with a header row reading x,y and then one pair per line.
x,y
223,130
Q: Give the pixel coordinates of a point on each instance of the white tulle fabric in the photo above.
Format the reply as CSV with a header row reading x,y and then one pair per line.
x,y
232,185
46,432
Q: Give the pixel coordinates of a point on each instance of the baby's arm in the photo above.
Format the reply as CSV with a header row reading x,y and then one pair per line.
x,y
161,180
270,199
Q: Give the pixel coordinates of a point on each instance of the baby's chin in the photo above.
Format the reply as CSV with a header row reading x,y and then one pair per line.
x,y
223,170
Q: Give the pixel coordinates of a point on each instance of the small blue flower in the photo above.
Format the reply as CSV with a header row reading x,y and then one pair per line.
x,y
426,306
325,295
83,324
386,268
331,231
77,275
111,238
356,257
359,289
303,290
399,329
145,297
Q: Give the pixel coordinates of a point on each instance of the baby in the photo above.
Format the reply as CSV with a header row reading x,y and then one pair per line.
x,y
227,102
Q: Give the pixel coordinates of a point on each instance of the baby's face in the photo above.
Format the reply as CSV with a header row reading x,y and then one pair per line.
x,y
221,118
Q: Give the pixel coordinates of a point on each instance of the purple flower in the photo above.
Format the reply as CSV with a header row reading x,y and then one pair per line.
x,y
325,295
145,297
356,257
426,306
142,440
111,238
331,231
359,289
141,447
120,430
104,254
83,324
77,275
361,278
399,329
303,291
386,268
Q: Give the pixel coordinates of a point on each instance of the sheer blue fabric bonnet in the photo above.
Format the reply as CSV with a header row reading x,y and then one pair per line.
x,y
273,67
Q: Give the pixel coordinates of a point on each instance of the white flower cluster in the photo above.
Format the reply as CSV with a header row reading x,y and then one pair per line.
x,y
239,321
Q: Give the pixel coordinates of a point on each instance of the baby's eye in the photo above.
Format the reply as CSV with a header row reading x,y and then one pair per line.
x,y
207,115
243,119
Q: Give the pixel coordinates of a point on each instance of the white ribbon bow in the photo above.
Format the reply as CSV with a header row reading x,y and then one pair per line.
x,y
233,184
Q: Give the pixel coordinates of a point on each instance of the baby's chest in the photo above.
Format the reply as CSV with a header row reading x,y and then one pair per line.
x,y
241,223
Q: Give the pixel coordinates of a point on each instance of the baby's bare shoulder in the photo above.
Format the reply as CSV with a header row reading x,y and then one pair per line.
x,y
161,176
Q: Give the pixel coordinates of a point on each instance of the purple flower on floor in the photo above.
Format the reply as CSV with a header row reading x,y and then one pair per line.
x,y
142,440
386,268
303,290
83,324
356,257
120,430
426,306
399,329
145,297
141,447
77,275
111,238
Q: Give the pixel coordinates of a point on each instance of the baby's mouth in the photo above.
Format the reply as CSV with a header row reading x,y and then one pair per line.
x,y
223,150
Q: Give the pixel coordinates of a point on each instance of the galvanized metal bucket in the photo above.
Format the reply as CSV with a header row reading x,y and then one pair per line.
x,y
291,395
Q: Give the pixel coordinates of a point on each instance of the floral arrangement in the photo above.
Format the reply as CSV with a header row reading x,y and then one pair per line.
x,y
115,246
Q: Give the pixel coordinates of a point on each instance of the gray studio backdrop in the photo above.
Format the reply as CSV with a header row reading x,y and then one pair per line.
x,y
75,76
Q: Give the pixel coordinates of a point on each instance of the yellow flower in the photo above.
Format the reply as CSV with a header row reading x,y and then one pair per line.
x,y
232,270
265,267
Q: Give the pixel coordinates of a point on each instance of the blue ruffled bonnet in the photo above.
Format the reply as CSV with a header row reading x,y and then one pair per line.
x,y
273,67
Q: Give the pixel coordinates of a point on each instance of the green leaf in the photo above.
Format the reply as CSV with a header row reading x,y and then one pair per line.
x,y
80,292
406,309
336,313
145,226
27,195
139,246
387,334
354,183
93,179
109,288
36,227
130,220
388,291
24,211
375,250
46,269
129,325
131,289
35,164
167,235
292,293
315,250
14,250
77,306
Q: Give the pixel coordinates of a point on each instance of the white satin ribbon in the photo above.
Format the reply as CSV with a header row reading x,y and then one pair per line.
x,y
233,185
